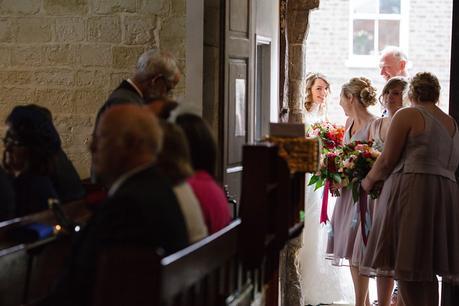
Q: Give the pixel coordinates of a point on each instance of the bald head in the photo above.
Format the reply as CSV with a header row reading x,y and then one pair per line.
x,y
126,137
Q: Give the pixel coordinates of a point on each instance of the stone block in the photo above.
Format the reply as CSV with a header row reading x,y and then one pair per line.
x,y
297,26
179,8
173,28
15,77
22,7
172,36
95,55
92,78
6,30
126,57
54,77
297,61
56,100
139,30
12,96
296,92
70,29
66,7
104,29
69,123
114,6
34,30
81,161
59,55
88,100
303,4
5,58
152,7
30,56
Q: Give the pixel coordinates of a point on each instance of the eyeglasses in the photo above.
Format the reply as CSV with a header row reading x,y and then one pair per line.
x,y
8,141
167,83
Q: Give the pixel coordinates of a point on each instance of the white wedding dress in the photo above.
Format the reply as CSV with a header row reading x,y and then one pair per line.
x,y
320,281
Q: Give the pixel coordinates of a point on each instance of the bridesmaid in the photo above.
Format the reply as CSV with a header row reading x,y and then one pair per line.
x,y
392,100
356,96
419,237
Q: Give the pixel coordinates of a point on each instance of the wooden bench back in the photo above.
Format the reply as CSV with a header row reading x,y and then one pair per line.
x,y
30,269
201,274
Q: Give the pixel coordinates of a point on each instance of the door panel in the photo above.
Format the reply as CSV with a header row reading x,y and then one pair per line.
x,y
237,111
239,55
238,13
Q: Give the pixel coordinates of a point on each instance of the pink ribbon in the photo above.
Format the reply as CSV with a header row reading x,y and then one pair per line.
x,y
363,202
323,212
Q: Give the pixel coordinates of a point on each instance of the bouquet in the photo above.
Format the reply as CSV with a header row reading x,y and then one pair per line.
x,y
330,176
330,134
357,159
330,172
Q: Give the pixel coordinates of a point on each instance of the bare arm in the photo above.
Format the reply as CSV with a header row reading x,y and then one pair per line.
x,y
399,130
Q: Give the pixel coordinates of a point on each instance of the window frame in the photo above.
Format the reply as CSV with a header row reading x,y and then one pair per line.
x,y
371,61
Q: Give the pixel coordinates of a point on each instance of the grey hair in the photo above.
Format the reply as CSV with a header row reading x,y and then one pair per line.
x,y
156,62
395,51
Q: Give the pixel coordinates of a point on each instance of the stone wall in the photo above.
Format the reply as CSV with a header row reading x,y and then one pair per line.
x,y
68,55
429,46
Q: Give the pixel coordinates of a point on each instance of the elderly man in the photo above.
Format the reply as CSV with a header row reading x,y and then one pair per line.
x,y
393,63
156,74
141,208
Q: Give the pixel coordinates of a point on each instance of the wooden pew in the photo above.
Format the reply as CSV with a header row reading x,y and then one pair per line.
x,y
204,273
30,268
271,200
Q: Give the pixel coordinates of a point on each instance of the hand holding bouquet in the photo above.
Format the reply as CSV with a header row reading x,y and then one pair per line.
x,y
357,160
330,172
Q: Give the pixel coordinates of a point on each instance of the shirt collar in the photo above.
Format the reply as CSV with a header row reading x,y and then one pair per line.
x,y
135,87
123,178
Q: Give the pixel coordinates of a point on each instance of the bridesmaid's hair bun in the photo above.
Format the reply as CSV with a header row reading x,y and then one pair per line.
x,y
362,89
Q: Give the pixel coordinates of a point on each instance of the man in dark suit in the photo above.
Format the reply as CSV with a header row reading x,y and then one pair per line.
x,y
141,208
156,74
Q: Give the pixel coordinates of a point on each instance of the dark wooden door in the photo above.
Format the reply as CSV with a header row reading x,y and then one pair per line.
x,y
238,88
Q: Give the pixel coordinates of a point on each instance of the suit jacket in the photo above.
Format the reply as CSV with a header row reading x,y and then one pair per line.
x,y
124,93
143,211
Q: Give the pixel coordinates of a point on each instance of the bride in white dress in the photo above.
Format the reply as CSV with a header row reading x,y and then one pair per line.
x,y
320,281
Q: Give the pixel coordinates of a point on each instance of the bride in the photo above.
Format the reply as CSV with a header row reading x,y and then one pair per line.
x,y
320,281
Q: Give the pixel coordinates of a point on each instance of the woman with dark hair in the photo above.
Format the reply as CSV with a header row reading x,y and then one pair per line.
x,y
203,156
64,176
30,142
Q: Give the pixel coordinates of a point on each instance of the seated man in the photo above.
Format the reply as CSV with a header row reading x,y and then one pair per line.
x,y
141,208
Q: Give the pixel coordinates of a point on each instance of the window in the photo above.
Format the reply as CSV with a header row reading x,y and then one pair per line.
x,y
375,24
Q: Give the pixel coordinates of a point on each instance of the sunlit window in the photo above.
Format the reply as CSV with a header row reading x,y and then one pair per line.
x,y
375,24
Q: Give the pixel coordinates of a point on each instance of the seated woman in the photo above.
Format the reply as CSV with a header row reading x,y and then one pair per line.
x,y
203,158
30,142
64,176
174,164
